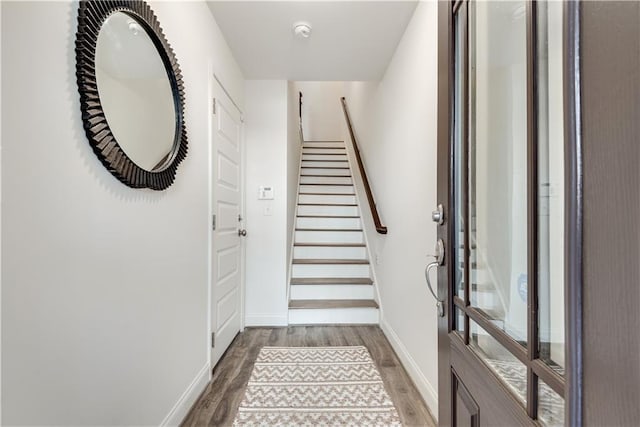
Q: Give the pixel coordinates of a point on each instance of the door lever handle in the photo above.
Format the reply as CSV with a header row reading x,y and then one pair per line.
x,y
427,272
439,260
439,302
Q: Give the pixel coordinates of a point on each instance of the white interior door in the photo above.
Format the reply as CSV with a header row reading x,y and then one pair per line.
x,y
227,253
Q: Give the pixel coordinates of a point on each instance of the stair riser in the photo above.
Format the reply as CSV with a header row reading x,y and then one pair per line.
x,y
487,300
329,237
326,157
328,210
320,252
329,270
480,275
323,144
333,189
325,180
332,292
328,223
324,151
339,199
333,316
331,165
320,171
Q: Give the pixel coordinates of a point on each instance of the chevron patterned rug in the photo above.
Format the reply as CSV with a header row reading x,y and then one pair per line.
x,y
328,386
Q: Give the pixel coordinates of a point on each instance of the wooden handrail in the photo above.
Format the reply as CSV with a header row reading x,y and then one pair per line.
x,y
380,228
300,116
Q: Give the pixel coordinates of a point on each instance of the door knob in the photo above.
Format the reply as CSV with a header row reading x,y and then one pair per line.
x,y
242,232
438,214
439,260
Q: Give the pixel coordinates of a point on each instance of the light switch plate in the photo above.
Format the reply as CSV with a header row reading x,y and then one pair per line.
x,y
265,192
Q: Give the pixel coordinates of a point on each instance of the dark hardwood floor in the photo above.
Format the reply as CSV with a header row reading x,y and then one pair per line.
x,y
219,402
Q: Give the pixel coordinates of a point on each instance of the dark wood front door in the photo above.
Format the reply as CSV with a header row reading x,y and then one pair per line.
x,y
506,183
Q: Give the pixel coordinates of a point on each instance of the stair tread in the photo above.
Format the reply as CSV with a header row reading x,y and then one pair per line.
x,y
322,183
321,140
327,204
331,281
323,167
327,194
332,303
328,176
330,229
483,287
324,154
329,261
329,216
331,245
323,148
330,161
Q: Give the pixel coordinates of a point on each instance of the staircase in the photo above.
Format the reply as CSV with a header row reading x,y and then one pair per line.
x,y
330,274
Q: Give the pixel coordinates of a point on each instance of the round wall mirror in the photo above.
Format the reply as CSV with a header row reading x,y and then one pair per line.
x,y
131,92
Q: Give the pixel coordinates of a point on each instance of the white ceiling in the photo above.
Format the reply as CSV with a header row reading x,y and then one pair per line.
x,y
350,40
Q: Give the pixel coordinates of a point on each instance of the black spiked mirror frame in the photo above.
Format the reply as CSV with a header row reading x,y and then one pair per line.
x,y
91,15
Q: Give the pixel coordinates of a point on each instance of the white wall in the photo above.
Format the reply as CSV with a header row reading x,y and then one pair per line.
x,y
266,134
104,304
395,121
0,225
322,117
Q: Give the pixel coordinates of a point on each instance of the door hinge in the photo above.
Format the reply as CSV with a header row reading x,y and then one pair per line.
x,y
213,339
213,222
214,106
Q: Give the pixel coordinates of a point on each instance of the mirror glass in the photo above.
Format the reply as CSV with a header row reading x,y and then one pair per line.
x,y
135,92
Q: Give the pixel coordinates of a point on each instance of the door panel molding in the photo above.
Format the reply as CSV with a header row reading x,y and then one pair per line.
x,y
462,399
496,402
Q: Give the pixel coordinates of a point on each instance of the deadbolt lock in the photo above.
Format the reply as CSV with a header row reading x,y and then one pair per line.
x,y
438,215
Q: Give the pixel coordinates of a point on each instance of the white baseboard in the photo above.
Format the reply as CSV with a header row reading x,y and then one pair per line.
x,y
258,319
188,398
428,393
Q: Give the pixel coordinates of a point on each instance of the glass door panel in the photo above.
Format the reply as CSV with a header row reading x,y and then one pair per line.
x,y
459,320
504,364
498,163
550,185
458,148
550,406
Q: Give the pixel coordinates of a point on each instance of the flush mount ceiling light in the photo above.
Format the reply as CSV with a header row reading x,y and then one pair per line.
x,y
302,30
